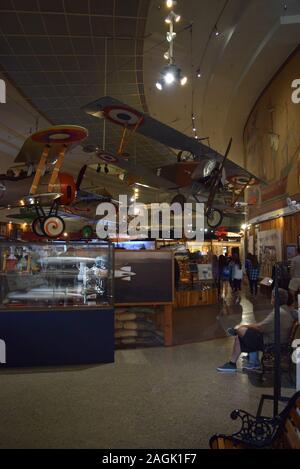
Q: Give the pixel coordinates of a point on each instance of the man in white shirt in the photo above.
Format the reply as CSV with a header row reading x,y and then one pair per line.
x,y
252,337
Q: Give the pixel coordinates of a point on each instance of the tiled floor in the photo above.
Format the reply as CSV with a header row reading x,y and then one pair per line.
x,y
149,398
200,323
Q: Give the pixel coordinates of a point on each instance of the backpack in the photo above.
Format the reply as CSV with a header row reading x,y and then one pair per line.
x,y
237,273
283,275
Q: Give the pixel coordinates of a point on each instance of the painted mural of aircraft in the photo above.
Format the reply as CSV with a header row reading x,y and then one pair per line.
x,y
200,172
42,187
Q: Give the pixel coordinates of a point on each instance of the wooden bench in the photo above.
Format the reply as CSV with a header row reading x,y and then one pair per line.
x,y
282,432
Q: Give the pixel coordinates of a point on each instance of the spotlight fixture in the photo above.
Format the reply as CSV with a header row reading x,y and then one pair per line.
x,y
183,81
198,74
171,74
172,17
169,3
171,36
169,78
217,32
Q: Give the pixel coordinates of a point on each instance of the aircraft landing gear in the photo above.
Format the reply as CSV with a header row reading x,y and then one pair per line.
x,y
214,217
48,223
53,226
37,227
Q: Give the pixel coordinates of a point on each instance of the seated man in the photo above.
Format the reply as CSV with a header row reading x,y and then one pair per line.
x,y
252,337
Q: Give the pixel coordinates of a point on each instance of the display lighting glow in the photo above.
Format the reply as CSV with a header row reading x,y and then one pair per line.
x,y
244,226
143,185
172,17
169,3
169,78
171,74
183,81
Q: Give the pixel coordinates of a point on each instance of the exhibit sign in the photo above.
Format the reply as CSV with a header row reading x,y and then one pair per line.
x,y
205,271
290,251
150,277
269,250
251,244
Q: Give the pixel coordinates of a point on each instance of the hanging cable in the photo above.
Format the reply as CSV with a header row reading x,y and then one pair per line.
x,y
105,93
214,32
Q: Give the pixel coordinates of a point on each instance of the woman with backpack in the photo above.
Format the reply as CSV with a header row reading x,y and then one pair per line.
x,y
223,276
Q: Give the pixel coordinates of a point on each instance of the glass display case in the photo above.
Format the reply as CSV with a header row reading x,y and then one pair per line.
x,y
52,275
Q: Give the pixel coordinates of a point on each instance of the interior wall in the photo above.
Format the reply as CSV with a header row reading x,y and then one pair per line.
x,y
288,226
272,142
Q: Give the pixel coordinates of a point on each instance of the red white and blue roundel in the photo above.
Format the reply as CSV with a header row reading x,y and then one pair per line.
x,y
122,115
240,180
107,157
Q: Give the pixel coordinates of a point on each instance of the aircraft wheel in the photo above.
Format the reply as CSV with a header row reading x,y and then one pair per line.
x,y
53,226
214,218
179,199
37,227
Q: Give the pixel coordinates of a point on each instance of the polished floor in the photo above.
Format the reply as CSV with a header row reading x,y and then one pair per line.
x,y
149,398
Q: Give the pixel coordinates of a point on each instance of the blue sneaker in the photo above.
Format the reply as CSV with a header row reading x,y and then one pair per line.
x,y
252,366
227,368
231,331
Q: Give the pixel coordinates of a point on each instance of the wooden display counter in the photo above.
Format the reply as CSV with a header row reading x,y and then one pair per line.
x,y
186,298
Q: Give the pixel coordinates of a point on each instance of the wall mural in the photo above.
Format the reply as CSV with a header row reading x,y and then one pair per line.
x,y
272,143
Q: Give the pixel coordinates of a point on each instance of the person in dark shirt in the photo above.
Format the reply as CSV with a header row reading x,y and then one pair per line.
x,y
253,275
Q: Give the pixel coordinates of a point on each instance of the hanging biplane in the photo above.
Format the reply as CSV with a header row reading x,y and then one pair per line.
x,y
200,172
37,184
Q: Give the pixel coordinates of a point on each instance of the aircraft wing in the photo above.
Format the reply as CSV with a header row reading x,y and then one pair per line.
x,y
57,138
142,173
122,114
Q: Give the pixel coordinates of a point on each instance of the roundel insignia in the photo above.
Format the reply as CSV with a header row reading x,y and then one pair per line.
x,y
123,116
107,157
242,180
60,135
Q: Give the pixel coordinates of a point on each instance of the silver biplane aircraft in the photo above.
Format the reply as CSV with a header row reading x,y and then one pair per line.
x,y
200,172
37,183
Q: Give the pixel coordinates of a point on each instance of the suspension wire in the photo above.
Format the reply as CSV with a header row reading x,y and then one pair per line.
x,y
105,94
